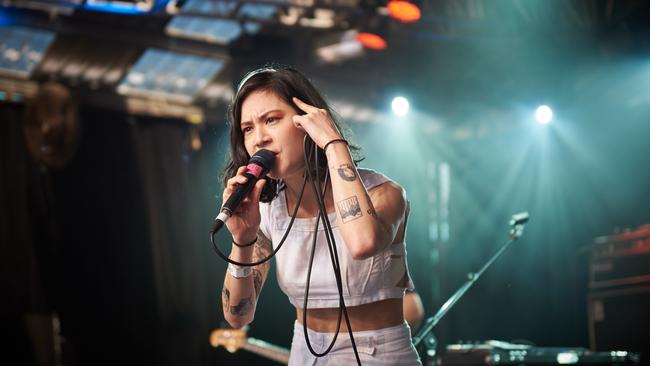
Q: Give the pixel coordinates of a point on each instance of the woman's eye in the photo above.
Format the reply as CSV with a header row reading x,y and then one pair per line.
x,y
246,129
271,119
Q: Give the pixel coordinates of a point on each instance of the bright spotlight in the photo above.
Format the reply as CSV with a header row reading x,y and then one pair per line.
x,y
544,114
400,106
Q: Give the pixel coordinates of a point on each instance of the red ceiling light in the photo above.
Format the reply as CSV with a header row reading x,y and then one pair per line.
x,y
404,11
372,41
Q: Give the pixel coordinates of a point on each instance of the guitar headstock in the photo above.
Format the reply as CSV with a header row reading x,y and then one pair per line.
x,y
231,339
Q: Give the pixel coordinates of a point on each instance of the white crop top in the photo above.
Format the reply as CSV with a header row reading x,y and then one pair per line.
x,y
383,276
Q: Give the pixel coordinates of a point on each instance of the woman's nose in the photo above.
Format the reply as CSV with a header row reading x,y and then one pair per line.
x,y
262,138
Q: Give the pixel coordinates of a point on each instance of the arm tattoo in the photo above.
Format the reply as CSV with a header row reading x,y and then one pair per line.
x,y
349,209
257,281
373,213
347,172
263,248
225,298
371,208
243,308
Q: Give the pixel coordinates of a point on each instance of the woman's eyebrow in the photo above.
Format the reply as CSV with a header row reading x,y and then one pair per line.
x,y
260,117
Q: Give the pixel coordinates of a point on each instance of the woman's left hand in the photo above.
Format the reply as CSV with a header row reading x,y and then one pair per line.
x,y
316,122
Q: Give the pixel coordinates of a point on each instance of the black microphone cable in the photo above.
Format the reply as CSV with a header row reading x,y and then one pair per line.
x,y
331,244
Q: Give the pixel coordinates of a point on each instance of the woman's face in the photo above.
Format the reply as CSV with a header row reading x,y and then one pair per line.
x,y
266,123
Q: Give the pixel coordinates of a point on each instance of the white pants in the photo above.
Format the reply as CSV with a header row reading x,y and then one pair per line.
x,y
386,347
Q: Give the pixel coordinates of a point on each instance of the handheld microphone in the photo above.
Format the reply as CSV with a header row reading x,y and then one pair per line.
x,y
258,166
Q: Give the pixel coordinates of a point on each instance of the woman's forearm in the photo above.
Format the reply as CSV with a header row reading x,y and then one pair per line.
x,y
361,228
238,295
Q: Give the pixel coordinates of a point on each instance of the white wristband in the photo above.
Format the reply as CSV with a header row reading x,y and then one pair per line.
x,y
239,272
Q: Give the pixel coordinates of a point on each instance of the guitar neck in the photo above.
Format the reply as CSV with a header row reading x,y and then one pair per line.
x,y
268,350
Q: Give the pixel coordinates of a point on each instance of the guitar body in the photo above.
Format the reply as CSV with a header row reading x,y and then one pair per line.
x,y
236,339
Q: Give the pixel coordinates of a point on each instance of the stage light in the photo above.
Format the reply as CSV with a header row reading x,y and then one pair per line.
x,y
373,31
121,6
544,114
167,74
22,49
340,48
404,11
400,106
372,41
6,18
217,31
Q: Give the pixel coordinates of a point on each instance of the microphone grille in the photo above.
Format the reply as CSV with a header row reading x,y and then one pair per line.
x,y
263,158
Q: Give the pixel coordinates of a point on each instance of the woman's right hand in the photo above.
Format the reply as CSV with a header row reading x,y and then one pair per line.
x,y
245,220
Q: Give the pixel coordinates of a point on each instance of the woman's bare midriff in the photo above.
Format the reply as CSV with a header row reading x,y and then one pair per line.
x,y
372,316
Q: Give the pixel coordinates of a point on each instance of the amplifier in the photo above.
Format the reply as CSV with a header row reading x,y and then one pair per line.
x,y
503,353
620,260
620,318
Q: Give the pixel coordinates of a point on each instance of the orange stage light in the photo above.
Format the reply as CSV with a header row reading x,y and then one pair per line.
x,y
404,11
371,41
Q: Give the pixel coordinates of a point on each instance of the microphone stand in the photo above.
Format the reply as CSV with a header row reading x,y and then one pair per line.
x,y
517,228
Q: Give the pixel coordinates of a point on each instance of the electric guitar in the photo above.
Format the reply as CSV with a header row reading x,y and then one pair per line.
x,y
234,339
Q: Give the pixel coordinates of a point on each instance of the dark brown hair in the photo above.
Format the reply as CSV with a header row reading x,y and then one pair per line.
x,y
286,83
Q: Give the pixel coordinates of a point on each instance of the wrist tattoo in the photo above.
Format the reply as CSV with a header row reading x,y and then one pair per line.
x,y
347,172
349,209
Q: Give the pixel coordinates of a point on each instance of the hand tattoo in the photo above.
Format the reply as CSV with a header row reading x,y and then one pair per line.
x,y
347,172
349,209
